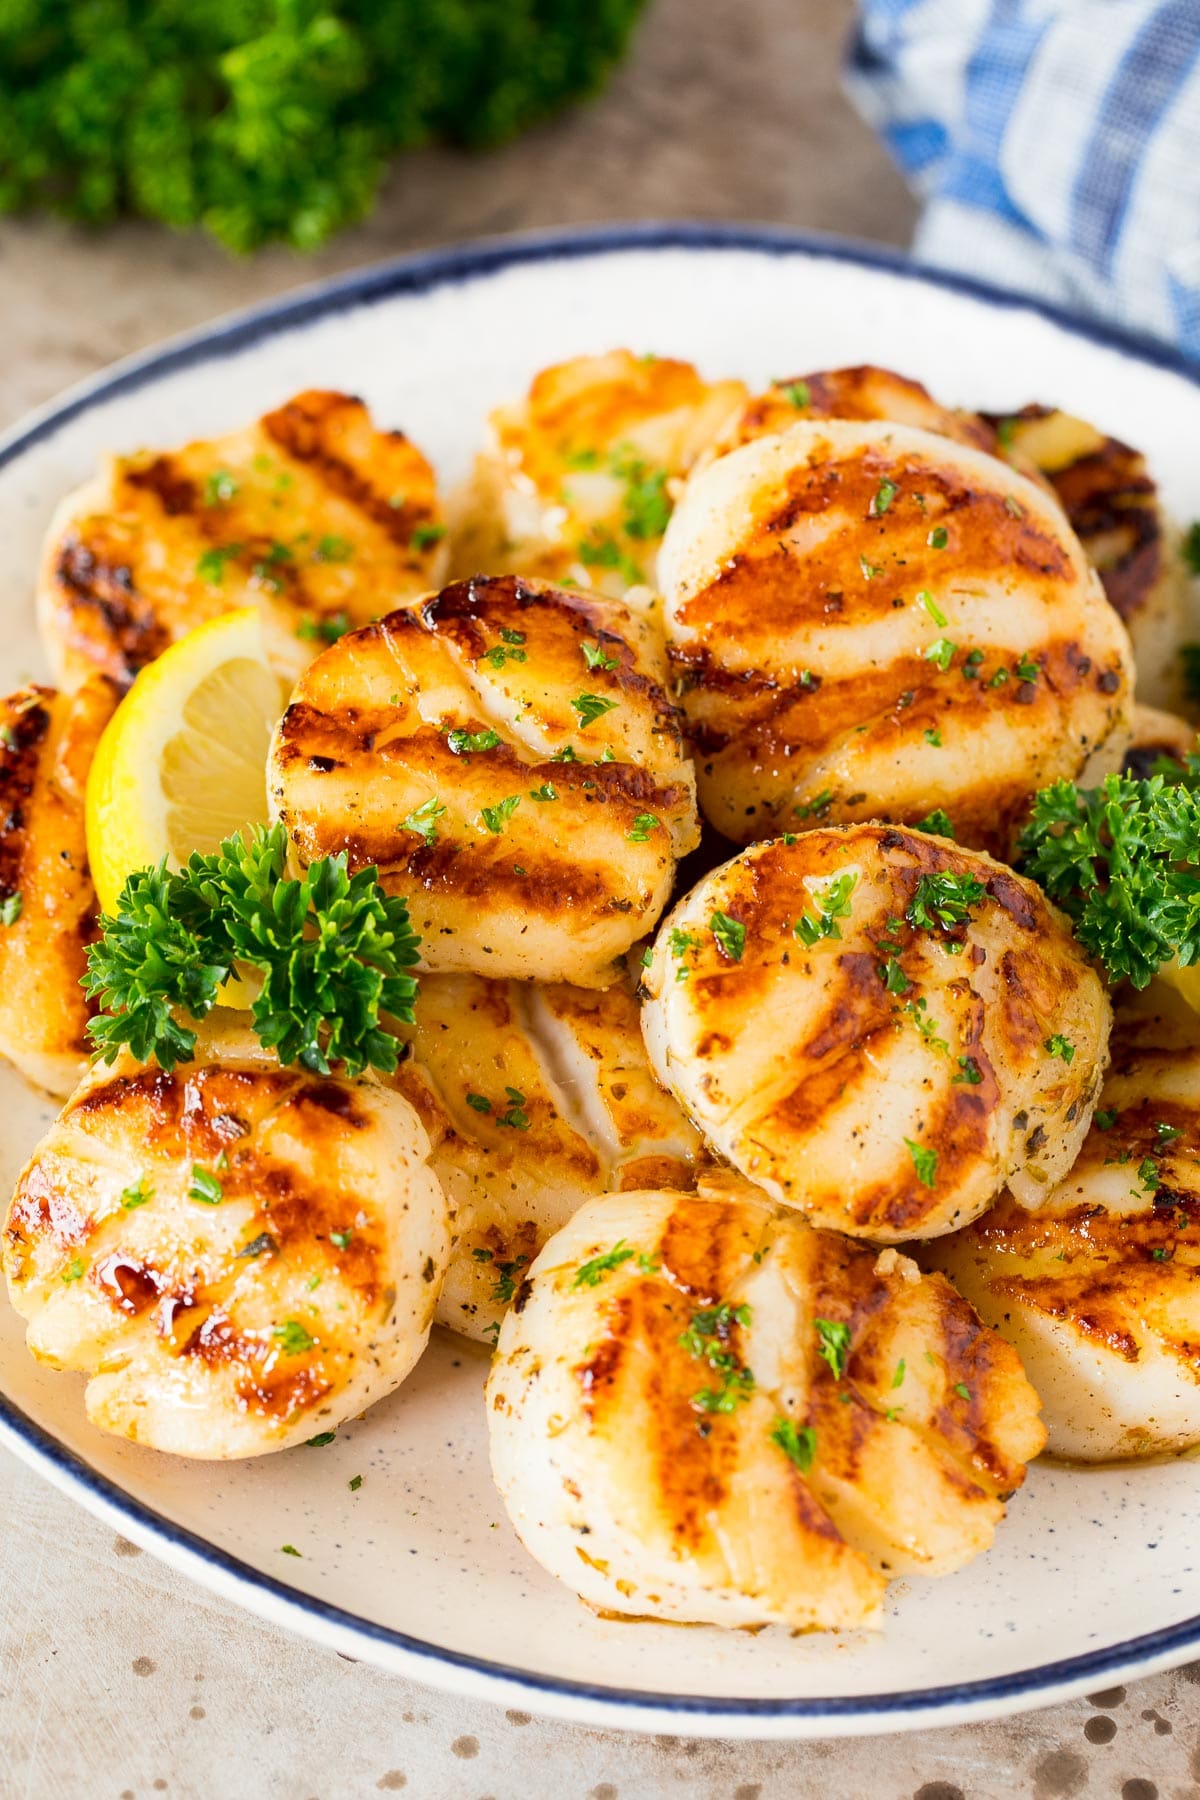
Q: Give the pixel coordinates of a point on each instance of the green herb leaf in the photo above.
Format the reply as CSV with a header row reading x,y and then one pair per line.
x,y
797,392
884,494
937,824
798,1442
472,743
831,902
1060,1046
730,935
596,658
641,828
924,1162
496,817
833,1344
325,630
591,1274
205,1187
944,901
219,486
941,652
319,1442
709,1338
292,1338
10,908
591,707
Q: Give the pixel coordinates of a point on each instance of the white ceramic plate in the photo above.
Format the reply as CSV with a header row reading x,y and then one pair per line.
x,y
1095,1576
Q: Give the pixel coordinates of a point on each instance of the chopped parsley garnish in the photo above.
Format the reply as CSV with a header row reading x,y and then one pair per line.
x,y
341,1239
354,1483
971,1073
971,665
1148,1175
798,1442
882,498
934,738
647,505
292,1338
1166,1134
1121,860
137,1194
730,935
1104,1119
506,1279
924,1162
425,536
926,600
333,549
798,393
643,825
288,1550
500,654
937,824
962,1390
941,652
481,1104
326,630
73,1270
938,538
898,1377
542,794
423,819
1013,505
918,1011
319,1442
601,551
10,908
1060,1046
831,902
595,657
871,571
515,1116
472,743
496,817
591,1274
944,901
1028,669
892,975
591,707
833,1344
219,486
333,951
211,565
679,943
708,1338
205,1187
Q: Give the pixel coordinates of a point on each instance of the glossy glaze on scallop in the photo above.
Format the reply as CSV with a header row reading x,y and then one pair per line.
x,y
507,755
871,621
239,1256
536,1098
312,514
1099,1287
47,901
576,481
885,1076
701,1409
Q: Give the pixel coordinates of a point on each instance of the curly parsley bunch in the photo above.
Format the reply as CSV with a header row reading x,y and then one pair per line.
x,y
1123,860
272,119
331,950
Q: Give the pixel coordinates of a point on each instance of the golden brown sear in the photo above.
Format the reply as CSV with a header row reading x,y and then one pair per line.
x,y
1111,500
507,755
864,392
1099,1287
238,1255
536,1098
312,514
871,621
701,1409
576,481
47,901
878,1028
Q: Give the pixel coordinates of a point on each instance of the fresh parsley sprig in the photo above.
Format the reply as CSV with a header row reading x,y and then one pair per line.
x,y
1123,860
331,950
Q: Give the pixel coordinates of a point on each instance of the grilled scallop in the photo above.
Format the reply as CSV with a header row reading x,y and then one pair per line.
x,y
1099,1288
239,1256
47,901
703,1410
1156,735
577,480
878,1028
864,393
507,755
312,514
873,621
1112,502
536,1099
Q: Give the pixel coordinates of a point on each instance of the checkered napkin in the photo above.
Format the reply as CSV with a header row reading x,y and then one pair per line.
x,y
1056,144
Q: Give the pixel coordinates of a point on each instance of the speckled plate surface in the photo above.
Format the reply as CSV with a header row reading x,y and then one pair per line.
x,y
1096,1573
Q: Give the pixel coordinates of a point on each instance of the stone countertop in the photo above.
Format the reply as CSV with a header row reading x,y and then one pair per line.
x,y
119,1680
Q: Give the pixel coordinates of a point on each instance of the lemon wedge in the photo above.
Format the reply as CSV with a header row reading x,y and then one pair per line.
x,y
182,762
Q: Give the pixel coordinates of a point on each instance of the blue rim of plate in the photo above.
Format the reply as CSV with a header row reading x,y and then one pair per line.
x,y
421,274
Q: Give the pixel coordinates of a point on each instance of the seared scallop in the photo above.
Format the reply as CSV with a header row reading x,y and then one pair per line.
x,y
1112,502
1099,1287
239,1256
47,901
577,480
878,1028
864,392
871,621
312,514
535,1099
1156,736
703,1410
507,755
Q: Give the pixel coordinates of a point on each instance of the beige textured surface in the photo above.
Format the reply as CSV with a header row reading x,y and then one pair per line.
x,y
117,1678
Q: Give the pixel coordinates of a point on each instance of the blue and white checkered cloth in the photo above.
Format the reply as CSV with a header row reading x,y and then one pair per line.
x,y
1056,144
